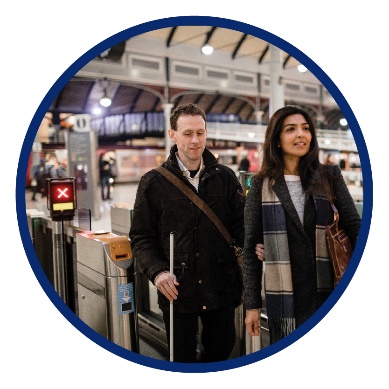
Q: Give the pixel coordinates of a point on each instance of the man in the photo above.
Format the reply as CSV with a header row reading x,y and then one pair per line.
x,y
105,176
206,281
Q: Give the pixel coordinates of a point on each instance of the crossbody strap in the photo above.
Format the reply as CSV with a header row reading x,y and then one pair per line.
x,y
336,213
197,200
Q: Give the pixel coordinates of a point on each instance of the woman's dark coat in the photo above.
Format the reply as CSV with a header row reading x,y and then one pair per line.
x,y
301,241
204,263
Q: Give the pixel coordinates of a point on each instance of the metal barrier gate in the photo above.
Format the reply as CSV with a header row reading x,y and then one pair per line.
x,y
150,322
102,286
54,254
90,275
105,283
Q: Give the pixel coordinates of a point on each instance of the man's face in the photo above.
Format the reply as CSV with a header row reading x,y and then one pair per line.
x,y
190,138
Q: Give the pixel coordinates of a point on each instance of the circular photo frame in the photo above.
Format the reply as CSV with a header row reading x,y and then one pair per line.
x,y
194,21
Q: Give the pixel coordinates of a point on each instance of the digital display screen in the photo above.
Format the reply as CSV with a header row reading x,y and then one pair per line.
x,y
127,306
62,192
62,195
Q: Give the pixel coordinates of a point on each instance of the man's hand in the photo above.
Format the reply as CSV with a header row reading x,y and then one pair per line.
x,y
166,284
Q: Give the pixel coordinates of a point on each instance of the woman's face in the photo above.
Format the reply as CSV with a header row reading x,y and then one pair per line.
x,y
295,137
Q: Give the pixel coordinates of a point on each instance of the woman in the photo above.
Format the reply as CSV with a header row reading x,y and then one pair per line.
x,y
287,208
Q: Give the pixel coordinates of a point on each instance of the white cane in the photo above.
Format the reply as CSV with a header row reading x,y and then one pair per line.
x,y
171,302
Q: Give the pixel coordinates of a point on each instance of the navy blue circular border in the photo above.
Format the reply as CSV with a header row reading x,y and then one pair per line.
x,y
193,21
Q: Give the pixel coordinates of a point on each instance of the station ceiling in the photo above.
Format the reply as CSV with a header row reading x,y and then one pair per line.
x,y
81,93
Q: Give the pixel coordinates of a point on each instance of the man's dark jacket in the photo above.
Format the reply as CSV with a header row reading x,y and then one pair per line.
x,y
204,263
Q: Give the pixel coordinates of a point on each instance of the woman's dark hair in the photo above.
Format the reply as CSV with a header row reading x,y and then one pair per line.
x,y
310,169
185,110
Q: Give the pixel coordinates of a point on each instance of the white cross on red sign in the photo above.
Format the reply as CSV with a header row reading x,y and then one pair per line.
x,y
62,193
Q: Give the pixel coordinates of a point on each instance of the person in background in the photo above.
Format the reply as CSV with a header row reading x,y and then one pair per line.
x,y
52,132
287,208
330,160
244,164
105,176
62,168
37,173
46,169
51,165
56,169
206,283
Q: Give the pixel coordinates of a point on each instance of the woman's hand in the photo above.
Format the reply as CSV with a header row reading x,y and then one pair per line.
x,y
260,251
253,321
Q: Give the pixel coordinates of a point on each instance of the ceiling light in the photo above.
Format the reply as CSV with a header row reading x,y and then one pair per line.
x,y
105,100
302,68
343,122
207,49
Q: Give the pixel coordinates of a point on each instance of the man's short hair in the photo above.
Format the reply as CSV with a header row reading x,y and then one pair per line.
x,y
185,110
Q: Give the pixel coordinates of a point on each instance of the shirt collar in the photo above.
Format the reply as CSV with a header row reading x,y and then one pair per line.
x,y
185,171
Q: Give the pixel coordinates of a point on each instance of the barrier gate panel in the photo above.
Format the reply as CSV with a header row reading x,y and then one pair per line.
x,y
44,246
106,296
149,316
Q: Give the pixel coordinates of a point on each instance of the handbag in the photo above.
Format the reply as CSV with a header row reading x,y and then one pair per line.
x,y
339,247
205,208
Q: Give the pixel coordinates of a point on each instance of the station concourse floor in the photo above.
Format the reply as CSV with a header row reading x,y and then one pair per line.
x,y
120,193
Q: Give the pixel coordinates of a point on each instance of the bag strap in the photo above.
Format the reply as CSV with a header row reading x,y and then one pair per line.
x,y
336,213
198,201
331,188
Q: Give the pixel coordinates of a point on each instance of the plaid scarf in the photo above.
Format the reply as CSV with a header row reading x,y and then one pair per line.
x,y
278,275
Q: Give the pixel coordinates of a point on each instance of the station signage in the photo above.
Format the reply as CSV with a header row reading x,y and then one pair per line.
x,y
61,198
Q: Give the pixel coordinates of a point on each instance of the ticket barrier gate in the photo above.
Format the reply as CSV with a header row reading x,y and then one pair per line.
x,y
54,246
121,216
105,283
33,216
47,234
42,239
150,323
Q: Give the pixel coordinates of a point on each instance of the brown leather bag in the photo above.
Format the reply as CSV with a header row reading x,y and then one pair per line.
x,y
339,247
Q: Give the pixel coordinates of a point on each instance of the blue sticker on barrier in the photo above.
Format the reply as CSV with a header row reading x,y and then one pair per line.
x,y
126,298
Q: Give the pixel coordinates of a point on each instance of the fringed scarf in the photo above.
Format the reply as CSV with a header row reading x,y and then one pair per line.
x,y
278,276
